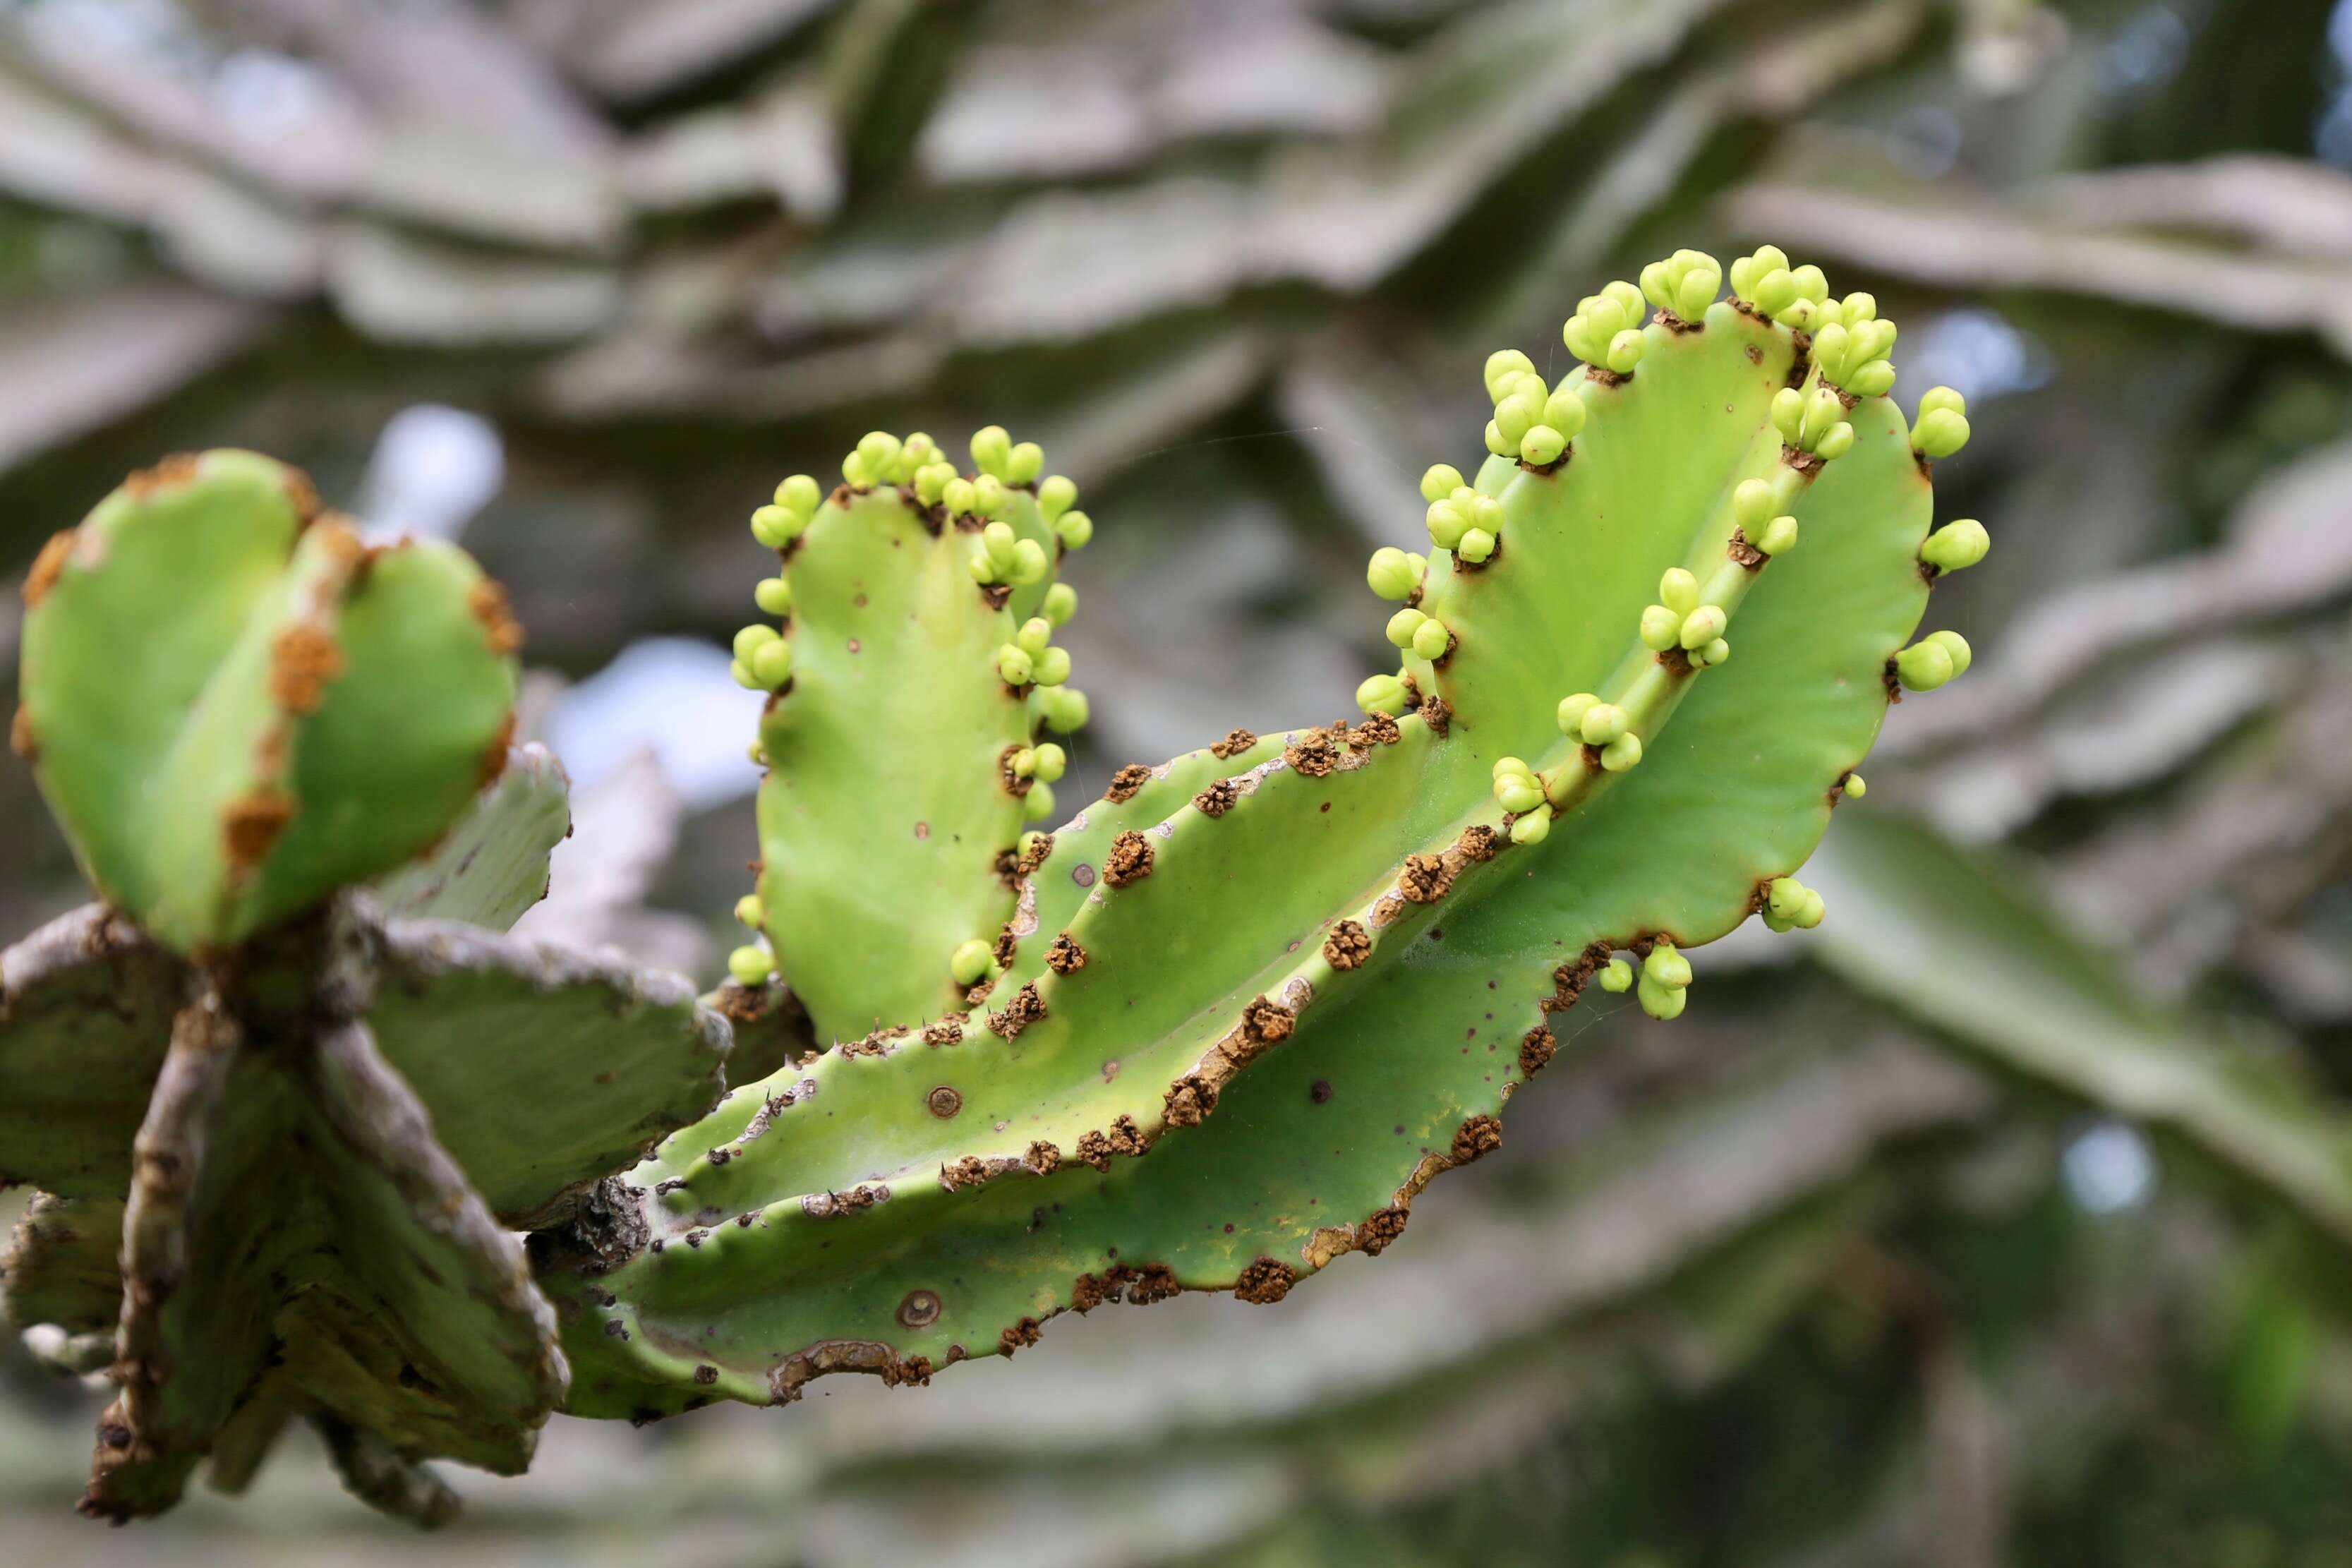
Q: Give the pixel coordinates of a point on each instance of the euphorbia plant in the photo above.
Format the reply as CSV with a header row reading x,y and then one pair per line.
x,y
1218,1029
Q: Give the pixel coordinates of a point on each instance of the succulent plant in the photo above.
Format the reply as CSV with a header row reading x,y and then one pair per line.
x,y
1218,1029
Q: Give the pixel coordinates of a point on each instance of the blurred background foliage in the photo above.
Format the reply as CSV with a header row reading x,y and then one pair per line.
x,y
2006,1219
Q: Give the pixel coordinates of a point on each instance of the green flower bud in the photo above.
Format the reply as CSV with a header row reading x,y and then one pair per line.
x,y
1052,761
1661,628
1431,639
1074,528
1875,379
984,570
969,961
1714,653
1924,665
1053,667
1703,625
751,910
1056,496
1775,291
958,496
1023,763
878,450
1382,694
773,595
1835,442
855,473
1511,768
1664,1003
1943,397
1625,350
1779,536
1515,417
1667,966
1617,976
1392,574
1502,364
1958,544
931,482
774,527
1572,710
1602,723
1855,788
1533,827
988,496
1447,522
1024,463
1440,480
1678,590
751,640
1495,442
1030,562
1403,624
743,676
750,965
1620,754
1785,897
1564,411
992,450
1763,262
1038,804
1752,505
1939,433
1955,647
1789,413
1012,665
1697,288
773,665
1541,445
1658,286
1519,793
1476,546
919,452
1064,709
1061,603
1035,634
799,495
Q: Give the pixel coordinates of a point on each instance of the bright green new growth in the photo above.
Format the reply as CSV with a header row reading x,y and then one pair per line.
x,y
234,708
1243,1009
913,670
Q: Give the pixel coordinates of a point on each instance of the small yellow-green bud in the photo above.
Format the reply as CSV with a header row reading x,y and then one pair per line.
x,y
1664,1003
1495,442
1061,603
1752,505
1403,624
752,911
1789,413
750,965
1050,760
1023,763
1667,965
1013,666
1532,826
1392,574
1765,259
1572,710
1775,291
1064,709
1541,445
1515,417
1623,754
1855,787
1038,804
1056,496
1944,397
751,640
1382,694
1030,562
1518,793
1835,442
1617,976
1475,546
984,570
799,495
1074,528
918,451
1602,723
958,496
992,450
1779,536
1713,654
773,665
1052,667
1564,411
931,482
855,474
1703,625
1875,379
1958,544
1511,768
1939,433
969,961
1431,639
1660,627
1447,522
1440,480
1503,364
775,595
743,676
1956,648
988,496
1024,463
1678,591
1924,665
775,527
1625,350
1035,636
879,451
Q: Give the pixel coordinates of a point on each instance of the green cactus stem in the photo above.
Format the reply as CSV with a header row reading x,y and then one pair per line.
x,y
910,678
234,708
1247,1006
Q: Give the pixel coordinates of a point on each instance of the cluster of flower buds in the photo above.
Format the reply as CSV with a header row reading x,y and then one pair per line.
x,y
1686,283
1459,518
1533,422
1585,718
1606,331
1679,620
1521,793
1790,905
1813,422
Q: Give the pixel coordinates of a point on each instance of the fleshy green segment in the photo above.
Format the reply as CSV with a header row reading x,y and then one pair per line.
x,y
1643,789
910,676
234,710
